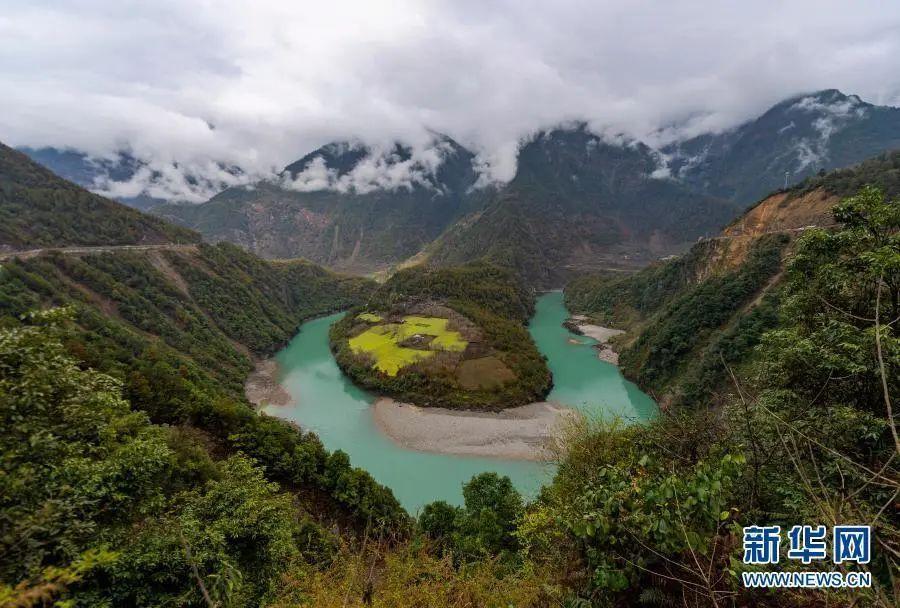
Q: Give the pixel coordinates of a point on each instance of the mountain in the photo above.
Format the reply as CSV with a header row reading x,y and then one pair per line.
x,y
577,200
347,205
689,315
124,417
39,209
796,138
135,182
135,471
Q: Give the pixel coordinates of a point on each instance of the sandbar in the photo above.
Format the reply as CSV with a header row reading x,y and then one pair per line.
x,y
528,432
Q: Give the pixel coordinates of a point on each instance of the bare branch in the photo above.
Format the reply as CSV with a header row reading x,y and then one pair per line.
x,y
196,572
884,385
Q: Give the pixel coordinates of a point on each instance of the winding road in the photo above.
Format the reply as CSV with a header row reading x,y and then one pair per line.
x,y
86,250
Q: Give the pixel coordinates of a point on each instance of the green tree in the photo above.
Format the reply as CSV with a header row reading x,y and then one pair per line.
x,y
493,509
100,506
78,465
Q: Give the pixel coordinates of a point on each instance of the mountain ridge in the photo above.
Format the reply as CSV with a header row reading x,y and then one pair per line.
x,y
577,200
794,139
38,208
346,205
747,260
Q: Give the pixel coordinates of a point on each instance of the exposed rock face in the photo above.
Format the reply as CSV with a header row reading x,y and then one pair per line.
x,y
785,211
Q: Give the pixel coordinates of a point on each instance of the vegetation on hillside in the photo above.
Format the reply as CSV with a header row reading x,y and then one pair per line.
x,y
134,472
498,364
654,513
684,316
493,288
669,343
883,170
103,507
180,355
39,209
687,326
623,300
576,197
364,229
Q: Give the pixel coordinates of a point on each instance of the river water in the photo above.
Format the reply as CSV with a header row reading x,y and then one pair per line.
x,y
325,401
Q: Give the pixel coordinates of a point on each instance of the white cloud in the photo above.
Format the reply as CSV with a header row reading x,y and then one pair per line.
x,y
380,169
259,84
831,117
316,176
193,183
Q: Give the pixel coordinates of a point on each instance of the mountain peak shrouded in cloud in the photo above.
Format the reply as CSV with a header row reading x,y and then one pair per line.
x,y
141,183
794,139
353,167
257,85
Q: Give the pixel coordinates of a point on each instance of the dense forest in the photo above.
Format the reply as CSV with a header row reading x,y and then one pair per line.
x,y
493,302
164,353
579,199
883,171
652,515
687,316
39,209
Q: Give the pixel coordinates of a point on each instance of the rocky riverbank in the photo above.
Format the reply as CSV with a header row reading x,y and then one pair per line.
x,y
262,387
579,325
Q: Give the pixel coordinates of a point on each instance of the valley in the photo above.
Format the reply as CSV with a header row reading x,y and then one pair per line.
x,y
390,437
441,304
276,416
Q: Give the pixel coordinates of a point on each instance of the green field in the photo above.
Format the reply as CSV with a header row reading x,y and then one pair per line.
x,y
384,342
368,316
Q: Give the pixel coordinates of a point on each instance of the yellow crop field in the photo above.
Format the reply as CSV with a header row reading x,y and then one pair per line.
x,y
382,342
444,339
368,316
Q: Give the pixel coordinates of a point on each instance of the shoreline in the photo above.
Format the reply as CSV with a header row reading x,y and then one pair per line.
x,y
521,433
262,387
578,324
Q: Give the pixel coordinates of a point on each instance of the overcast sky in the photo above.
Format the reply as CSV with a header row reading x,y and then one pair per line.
x,y
261,83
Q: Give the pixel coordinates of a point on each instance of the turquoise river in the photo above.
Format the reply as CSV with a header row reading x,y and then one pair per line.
x,y
326,402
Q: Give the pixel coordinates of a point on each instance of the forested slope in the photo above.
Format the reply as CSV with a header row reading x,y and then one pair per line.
x,y
691,316
175,331
39,209
578,200
364,226
135,473
652,515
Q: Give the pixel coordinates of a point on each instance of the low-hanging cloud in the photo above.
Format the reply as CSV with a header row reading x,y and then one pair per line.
x,y
198,85
831,116
380,169
192,183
